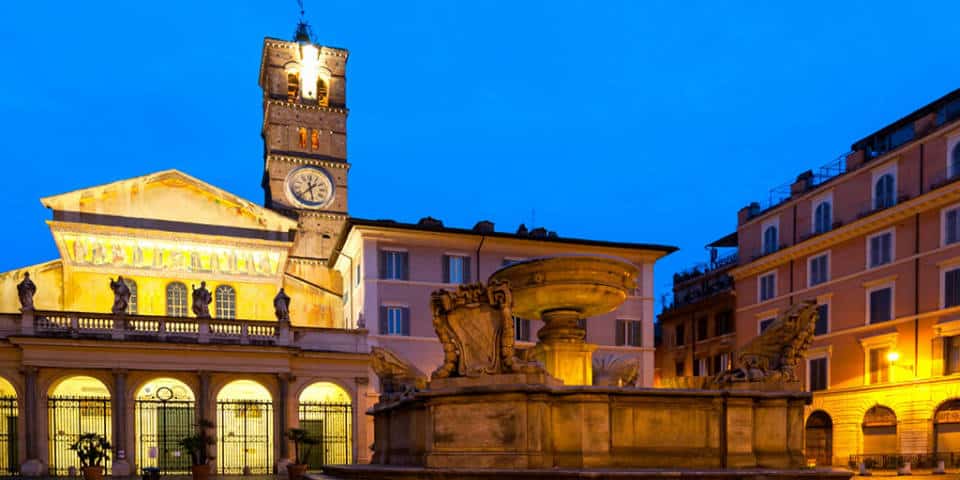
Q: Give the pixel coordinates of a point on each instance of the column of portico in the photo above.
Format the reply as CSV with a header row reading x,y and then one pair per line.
x,y
281,418
362,424
121,466
30,404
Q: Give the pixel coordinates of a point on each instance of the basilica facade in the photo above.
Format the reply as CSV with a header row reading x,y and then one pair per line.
x,y
201,334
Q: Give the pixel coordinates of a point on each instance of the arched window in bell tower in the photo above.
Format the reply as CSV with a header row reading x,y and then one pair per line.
x,y
315,139
302,134
321,91
293,86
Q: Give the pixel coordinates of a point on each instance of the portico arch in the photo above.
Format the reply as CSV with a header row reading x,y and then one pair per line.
x,y
164,414
326,411
244,428
819,438
9,431
946,426
75,405
880,431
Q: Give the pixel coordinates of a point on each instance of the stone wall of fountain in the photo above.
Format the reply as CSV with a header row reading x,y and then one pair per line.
x,y
487,412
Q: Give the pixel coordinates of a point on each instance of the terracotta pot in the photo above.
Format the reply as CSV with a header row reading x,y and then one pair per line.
x,y
200,472
92,473
296,471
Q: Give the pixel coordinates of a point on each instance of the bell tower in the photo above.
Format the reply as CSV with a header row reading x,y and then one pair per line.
x,y
305,138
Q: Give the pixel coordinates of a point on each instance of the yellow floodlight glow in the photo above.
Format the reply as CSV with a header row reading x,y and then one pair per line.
x,y
309,70
893,356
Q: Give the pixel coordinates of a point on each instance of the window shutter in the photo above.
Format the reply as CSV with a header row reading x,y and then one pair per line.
x,y
620,333
951,284
446,268
405,266
887,248
383,321
382,265
405,321
466,269
952,225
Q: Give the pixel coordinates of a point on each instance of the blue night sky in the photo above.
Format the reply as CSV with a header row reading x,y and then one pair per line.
x,y
616,120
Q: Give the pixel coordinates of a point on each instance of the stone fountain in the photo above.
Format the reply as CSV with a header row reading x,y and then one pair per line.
x,y
487,412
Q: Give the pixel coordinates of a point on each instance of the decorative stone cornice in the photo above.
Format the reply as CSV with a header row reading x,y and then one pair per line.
x,y
928,201
301,106
344,165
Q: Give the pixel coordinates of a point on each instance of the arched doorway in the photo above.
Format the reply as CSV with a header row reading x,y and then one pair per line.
x,y
9,431
880,433
327,413
244,428
164,415
819,438
76,405
946,427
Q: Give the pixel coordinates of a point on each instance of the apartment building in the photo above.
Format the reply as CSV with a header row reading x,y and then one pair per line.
x,y
698,329
874,239
391,268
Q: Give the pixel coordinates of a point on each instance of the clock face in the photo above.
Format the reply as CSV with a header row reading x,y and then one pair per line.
x,y
309,187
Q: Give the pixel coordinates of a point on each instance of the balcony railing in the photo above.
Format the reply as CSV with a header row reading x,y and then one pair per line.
x,y
893,461
144,328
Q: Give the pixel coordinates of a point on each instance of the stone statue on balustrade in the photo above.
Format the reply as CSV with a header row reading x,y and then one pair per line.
x,y
201,300
121,296
774,356
281,306
475,327
26,290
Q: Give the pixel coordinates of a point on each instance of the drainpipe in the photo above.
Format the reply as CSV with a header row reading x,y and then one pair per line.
x,y
350,266
482,239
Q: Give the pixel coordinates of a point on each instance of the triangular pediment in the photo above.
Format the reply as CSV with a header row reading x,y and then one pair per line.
x,y
168,196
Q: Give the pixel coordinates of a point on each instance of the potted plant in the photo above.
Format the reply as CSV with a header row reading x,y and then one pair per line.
x,y
196,445
303,444
92,449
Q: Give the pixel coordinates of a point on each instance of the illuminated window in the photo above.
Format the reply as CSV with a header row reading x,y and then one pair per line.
x,y
321,92
302,137
132,305
293,86
226,298
314,139
176,300
879,367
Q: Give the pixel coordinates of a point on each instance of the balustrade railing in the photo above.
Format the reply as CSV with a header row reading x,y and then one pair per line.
x,y
893,461
182,330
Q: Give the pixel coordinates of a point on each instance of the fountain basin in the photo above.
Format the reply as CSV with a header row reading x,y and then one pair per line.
x,y
586,285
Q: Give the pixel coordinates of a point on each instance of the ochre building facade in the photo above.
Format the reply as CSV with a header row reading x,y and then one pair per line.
x,y
874,239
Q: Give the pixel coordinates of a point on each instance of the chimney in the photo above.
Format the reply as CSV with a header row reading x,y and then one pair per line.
x,y
483,226
748,212
803,183
430,222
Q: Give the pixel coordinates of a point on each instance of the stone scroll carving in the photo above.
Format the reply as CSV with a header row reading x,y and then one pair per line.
x,y
773,356
475,327
398,377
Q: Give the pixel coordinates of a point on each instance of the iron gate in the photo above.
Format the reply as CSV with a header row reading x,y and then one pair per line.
x,y
9,438
160,426
68,418
245,436
332,424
